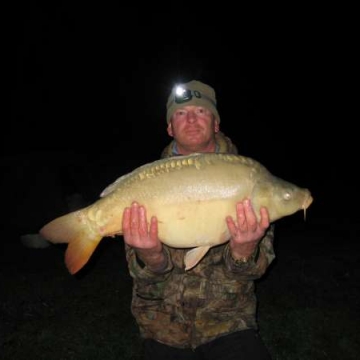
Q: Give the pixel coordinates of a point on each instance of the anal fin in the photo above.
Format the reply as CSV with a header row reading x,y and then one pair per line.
x,y
79,252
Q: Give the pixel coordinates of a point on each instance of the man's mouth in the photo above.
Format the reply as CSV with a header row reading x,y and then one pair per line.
x,y
192,130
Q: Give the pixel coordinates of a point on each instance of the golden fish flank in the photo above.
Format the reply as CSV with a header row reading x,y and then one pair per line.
x,y
191,197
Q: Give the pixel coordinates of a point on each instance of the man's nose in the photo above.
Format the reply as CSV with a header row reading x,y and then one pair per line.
x,y
191,116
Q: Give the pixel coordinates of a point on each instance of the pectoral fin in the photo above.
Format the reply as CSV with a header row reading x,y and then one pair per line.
x,y
193,256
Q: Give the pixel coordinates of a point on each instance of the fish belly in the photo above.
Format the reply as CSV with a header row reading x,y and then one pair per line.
x,y
194,224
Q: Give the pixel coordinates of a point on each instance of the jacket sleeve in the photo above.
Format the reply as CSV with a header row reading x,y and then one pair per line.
x,y
256,266
141,272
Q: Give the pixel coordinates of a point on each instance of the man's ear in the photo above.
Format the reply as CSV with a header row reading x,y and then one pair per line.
x,y
216,126
169,130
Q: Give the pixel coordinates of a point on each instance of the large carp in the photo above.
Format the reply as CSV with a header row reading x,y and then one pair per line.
x,y
190,196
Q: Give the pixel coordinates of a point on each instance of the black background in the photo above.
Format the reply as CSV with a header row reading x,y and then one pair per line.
x,y
89,84
88,89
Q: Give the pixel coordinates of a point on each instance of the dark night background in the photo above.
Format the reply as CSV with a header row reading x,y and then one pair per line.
x,y
89,83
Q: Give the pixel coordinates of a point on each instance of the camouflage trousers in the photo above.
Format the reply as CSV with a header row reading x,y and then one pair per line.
x,y
240,345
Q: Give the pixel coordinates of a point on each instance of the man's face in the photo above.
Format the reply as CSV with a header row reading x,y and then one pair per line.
x,y
193,127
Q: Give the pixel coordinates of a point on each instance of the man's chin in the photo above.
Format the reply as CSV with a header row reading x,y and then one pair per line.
x,y
195,144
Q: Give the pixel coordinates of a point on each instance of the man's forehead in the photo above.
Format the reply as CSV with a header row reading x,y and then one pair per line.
x,y
192,107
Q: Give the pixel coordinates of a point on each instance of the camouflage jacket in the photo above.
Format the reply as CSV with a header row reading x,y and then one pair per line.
x,y
216,297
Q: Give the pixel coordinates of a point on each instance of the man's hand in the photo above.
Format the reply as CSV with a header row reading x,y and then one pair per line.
x,y
143,237
246,232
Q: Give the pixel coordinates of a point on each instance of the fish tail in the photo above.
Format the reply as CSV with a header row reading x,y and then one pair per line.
x,y
82,240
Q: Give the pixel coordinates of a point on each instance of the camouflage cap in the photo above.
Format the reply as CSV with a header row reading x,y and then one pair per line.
x,y
194,93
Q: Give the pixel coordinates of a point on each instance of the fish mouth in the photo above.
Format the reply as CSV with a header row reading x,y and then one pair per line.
x,y
307,202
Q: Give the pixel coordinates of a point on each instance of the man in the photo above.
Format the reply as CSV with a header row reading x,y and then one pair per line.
x,y
208,312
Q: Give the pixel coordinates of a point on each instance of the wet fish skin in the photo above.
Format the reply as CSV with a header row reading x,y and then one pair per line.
x,y
190,195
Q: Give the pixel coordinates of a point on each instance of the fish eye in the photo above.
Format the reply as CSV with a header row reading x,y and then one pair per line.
x,y
287,196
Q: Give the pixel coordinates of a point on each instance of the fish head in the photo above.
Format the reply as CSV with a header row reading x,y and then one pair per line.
x,y
280,197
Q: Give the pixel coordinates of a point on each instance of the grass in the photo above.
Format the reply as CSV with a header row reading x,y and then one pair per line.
x,y
308,301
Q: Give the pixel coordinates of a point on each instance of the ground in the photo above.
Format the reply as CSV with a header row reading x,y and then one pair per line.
x,y
308,301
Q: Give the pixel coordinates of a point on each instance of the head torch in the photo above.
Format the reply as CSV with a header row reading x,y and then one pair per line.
x,y
183,95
